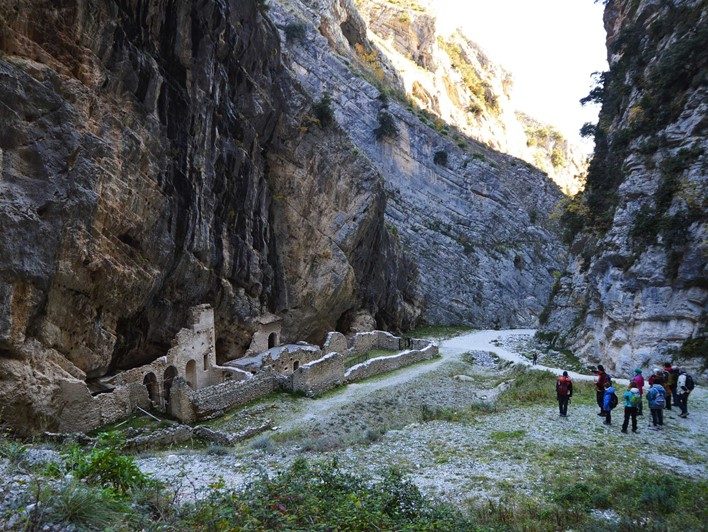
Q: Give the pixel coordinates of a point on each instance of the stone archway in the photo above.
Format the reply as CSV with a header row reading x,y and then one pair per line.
x,y
191,373
150,382
272,339
168,377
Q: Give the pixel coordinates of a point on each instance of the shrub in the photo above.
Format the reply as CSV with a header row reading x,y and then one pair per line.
x,y
87,507
322,109
440,158
105,466
295,31
588,130
387,127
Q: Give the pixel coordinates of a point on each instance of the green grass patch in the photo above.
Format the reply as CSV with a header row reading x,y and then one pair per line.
x,y
374,353
506,435
534,387
439,332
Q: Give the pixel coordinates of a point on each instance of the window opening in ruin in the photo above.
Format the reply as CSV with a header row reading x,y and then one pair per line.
x,y
191,371
150,382
206,362
272,340
296,365
170,374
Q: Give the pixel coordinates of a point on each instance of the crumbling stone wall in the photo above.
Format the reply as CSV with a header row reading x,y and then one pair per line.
x,y
376,366
319,375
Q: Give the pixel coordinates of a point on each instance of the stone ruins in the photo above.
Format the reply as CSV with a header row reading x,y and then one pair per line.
x,y
189,385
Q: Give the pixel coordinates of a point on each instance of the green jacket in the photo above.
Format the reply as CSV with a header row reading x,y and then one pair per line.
x,y
631,399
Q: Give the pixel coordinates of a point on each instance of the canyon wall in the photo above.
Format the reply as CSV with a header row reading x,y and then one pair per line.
x,y
153,157
634,292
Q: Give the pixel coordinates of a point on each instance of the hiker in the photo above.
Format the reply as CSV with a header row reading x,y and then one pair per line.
x,y
534,358
564,391
609,401
656,397
657,377
671,375
638,382
685,386
631,400
602,377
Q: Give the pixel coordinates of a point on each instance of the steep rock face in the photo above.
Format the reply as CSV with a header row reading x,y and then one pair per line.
x,y
475,220
635,291
153,157
449,76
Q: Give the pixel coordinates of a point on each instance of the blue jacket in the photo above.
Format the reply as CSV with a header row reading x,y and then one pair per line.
x,y
606,401
654,391
631,399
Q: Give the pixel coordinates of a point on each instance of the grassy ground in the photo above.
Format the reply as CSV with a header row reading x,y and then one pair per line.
x,y
374,353
439,332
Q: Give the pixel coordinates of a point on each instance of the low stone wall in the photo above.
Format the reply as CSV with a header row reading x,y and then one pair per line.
x,y
319,375
379,365
364,342
220,397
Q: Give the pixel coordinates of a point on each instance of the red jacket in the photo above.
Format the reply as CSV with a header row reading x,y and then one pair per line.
x,y
600,384
638,382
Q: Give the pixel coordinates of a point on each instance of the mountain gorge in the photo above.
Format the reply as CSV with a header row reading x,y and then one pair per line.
x,y
634,291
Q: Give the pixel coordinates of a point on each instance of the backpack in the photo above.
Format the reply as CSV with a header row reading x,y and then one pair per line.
x,y
562,387
613,401
690,385
636,399
659,400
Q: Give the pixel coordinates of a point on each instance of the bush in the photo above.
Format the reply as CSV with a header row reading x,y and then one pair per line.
x,y
588,130
323,497
105,466
87,507
387,127
322,109
440,158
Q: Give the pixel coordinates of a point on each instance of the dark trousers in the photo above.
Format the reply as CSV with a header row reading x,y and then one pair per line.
x,y
657,416
608,416
600,398
669,393
640,408
563,405
630,411
682,402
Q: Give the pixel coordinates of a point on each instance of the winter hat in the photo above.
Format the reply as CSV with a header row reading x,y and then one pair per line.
x,y
565,373
657,371
600,367
667,364
637,371
634,390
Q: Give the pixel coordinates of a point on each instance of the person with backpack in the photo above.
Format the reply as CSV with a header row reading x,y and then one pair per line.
x,y
685,386
602,378
564,391
656,397
638,382
609,402
671,376
657,377
631,400
534,358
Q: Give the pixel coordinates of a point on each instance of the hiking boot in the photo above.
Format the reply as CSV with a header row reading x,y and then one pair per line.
x,y
684,416
624,431
634,431
606,423
600,414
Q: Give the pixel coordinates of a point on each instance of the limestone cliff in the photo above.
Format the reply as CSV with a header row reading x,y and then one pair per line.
x,y
154,156
634,291
475,220
451,78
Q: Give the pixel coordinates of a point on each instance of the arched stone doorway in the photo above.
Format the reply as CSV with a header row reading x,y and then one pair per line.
x,y
168,377
150,382
191,372
272,339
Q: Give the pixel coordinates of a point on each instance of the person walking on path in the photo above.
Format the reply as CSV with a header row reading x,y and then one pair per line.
x,y
534,358
609,401
564,391
638,383
602,378
685,386
631,399
656,398
671,375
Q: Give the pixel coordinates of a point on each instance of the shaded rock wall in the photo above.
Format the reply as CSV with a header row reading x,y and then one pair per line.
x,y
634,292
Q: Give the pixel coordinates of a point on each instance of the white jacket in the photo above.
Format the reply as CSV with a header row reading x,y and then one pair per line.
x,y
681,388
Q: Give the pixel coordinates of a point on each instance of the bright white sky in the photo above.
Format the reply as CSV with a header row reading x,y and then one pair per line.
x,y
550,46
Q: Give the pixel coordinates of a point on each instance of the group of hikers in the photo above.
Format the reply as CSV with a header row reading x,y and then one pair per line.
x,y
664,385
